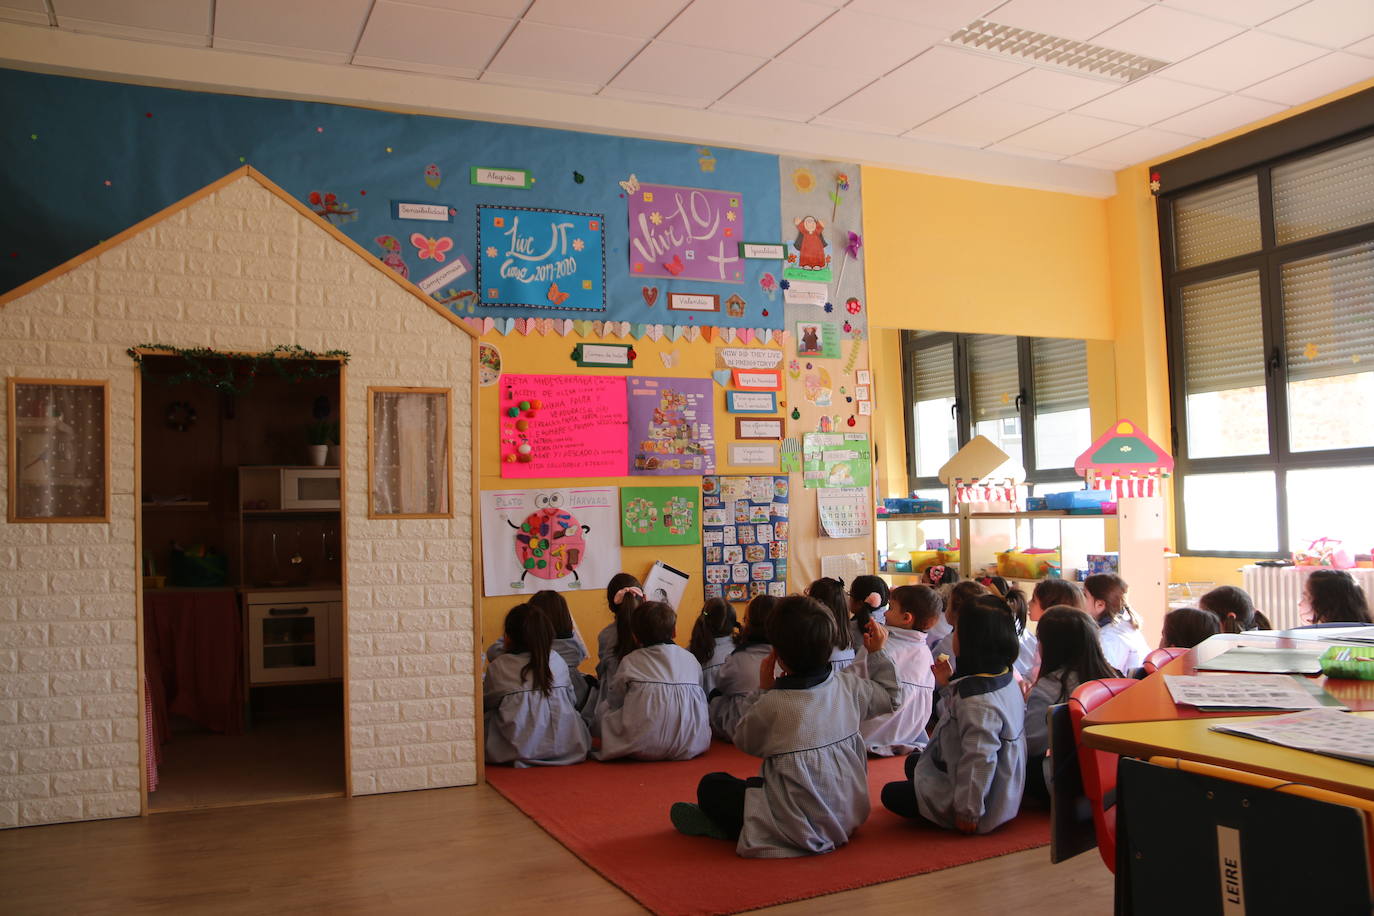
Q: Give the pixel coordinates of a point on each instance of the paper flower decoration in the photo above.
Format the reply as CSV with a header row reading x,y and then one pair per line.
x,y
784,284
829,307
1154,182
842,181
852,247
804,181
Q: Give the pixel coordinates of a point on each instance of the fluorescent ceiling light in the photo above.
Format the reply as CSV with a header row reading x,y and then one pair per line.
x,y
1049,51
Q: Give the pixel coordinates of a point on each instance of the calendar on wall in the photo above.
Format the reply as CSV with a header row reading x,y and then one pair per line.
x,y
844,512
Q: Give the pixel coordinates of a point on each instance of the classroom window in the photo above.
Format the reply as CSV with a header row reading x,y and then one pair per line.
x,y
1028,395
1269,282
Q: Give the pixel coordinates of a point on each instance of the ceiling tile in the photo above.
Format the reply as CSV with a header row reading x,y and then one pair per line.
x,y
1068,134
1315,79
1086,162
950,15
566,55
1241,61
430,39
187,16
963,69
1226,113
760,28
1148,100
892,107
1079,19
653,98
642,19
535,82
315,25
1011,149
508,9
981,121
1330,23
678,71
1138,146
793,90
1166,34
868,46
1365,47
1052,89
1241,12
32,12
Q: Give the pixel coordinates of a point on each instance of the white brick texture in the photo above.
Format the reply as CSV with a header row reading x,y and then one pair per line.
x,y
237,269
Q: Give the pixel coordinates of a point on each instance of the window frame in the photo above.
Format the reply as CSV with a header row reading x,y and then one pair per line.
x,y
1268,262
963,401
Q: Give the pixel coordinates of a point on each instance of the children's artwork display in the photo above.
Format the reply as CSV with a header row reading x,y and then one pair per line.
x,y
818,338
835,460
560,539
685,233
744,536
540,258
563,426
809,257
671,426
653,516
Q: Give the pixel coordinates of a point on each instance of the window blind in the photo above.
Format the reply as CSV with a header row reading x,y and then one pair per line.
x,y
995,376
1328,313
1324,193
1217,223
1223,337
1060,370
934,372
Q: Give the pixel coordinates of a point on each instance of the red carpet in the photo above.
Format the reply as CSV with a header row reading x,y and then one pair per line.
x,y
614,817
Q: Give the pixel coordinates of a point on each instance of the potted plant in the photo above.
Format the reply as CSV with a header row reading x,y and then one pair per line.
x,y
317,435
333,451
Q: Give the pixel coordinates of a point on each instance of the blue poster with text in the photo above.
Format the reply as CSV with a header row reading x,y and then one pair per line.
x,y
541,258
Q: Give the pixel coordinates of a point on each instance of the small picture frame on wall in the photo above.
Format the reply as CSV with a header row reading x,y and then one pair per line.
x,y
751,401
59,450
758,427
409,453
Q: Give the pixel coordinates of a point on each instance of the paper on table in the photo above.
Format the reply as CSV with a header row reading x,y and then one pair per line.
x,y
1260,691
1266,660
1321,731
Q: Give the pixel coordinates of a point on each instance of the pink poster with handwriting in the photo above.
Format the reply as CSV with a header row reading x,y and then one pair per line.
x,y
563,426
686,233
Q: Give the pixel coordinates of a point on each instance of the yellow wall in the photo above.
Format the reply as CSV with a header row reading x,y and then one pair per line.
x,y
947,254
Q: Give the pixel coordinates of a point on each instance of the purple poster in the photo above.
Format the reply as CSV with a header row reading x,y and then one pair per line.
x,y
686,233
671,426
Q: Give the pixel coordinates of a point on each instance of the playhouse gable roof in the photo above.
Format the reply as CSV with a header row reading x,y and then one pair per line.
x,y
220,184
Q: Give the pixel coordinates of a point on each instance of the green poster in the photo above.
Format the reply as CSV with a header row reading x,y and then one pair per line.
x,y
835,460
652,516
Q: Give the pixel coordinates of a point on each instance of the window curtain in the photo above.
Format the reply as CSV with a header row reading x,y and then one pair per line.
x,y
410,468
60,439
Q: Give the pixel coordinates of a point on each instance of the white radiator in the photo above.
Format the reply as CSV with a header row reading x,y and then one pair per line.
x,y
1276,590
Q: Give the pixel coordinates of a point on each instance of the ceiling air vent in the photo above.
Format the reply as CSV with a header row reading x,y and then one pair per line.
x,y
1052,52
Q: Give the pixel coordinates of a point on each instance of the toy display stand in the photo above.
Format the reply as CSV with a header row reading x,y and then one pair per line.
x,y
1127,462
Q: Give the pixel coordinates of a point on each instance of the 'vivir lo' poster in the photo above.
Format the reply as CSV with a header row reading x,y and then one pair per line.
x,y
671,426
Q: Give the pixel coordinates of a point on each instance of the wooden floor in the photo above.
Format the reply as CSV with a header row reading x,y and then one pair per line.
x,y
443,851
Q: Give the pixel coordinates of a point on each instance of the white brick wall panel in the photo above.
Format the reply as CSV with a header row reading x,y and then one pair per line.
x,y
26,786
402,780
361,738
9,661
238,269
9,760
376,758
400,734
49,709
85,782
22,737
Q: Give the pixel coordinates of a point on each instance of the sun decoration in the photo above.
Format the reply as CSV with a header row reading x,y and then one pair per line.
x,y
804,181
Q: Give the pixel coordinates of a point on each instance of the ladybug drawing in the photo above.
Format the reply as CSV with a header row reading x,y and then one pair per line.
x,y
550,543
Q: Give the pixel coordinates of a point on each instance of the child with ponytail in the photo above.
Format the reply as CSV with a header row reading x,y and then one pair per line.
x,y
713,639
529,709
1123,645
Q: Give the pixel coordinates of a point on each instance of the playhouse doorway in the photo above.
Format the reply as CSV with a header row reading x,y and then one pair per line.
x,y
242,535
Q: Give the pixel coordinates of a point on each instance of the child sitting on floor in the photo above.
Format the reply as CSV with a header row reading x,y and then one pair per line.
x,y
528,707
1185,627
813,789
1070,655
1234,609
1124,646
713,639
624,593
913,609
830,593
971,776
739,676
868,600
962,593
653,707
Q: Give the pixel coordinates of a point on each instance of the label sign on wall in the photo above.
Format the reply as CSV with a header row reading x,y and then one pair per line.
x,y
414,209
686,233
500,178
537,258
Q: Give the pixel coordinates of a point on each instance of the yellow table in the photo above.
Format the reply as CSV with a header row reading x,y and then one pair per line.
x,y
1190,739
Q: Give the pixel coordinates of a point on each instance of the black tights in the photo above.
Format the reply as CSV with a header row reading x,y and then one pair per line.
x,y
721,797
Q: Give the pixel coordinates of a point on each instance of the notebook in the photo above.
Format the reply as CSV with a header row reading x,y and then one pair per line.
x,y
1265,660
1321,731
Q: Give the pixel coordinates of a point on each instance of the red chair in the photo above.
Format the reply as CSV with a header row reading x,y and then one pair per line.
x,y
1098,767
1161,657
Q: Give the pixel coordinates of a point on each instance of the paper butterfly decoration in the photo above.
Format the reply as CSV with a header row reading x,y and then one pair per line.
x,y
557,296
856,242
630,185
675,266
431,248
